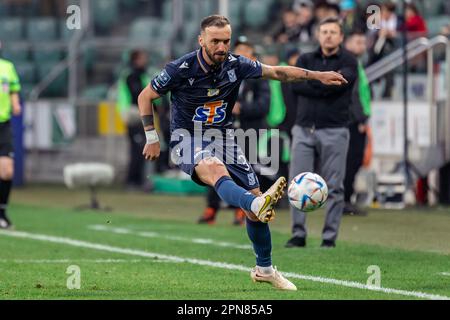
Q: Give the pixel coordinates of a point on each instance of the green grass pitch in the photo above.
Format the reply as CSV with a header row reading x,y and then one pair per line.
x,y
149,247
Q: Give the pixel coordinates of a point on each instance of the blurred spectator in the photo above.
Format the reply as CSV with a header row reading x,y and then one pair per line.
x,y
415,24
445,31
305,20
131,83
288,106
383,41
325,9
351,18
359,115
249,112
20,7
288,31
290,99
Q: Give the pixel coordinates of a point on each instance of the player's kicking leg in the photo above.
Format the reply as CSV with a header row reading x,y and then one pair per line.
x,y
214,173
259,210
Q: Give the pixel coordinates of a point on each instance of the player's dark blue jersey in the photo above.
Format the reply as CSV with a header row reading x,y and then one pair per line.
x,y
203,94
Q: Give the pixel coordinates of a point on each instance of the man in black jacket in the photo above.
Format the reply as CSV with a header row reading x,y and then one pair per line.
x,y
320,136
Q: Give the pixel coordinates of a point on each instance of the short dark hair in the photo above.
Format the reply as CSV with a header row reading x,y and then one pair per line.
x,y
214,20
390,6
335,20
243,40
135,54
413,7
356,32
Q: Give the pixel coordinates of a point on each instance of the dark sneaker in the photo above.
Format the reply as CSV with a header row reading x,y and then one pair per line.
x,y
296,242
353,210
328,244
239,217
209,216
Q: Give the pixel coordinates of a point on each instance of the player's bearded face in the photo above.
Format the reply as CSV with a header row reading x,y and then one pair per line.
x,y
216,42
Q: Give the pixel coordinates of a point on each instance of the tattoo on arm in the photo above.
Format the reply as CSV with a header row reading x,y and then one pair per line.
x,y
286,73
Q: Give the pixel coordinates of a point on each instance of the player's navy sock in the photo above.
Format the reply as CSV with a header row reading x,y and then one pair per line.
x,y
5,188
259,234
232,194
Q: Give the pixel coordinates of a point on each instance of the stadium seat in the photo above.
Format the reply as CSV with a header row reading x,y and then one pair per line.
x,y
180,48
432,8
96,92
144,28
235,13
26,88
190,31
256,13
3,10
46,54
65,33
105,13
129,4
26,72
59,86
164,31
167,10
11,29
89,56
206,8
41,29
15,53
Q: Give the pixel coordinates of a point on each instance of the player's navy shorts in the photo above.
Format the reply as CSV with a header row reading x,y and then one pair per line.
x,y
187,151
6,140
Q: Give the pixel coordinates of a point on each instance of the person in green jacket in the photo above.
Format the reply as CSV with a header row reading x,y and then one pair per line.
x,y
359,114
130,84
9,105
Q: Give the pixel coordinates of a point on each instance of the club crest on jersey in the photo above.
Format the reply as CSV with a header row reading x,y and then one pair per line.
x,y
211,112
231,75
213,92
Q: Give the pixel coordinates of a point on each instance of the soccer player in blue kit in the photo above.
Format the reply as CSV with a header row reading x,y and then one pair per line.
x,y
204,86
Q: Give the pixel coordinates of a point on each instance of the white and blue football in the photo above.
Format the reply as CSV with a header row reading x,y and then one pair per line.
x,y
307,191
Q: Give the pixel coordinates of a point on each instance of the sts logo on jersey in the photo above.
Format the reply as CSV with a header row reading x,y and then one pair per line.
x,y
211,112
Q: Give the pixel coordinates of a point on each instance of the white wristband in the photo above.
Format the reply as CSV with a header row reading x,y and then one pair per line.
x,y
152,136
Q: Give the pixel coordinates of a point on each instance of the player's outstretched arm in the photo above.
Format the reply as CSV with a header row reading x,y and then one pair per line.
x,y
293,74
152,148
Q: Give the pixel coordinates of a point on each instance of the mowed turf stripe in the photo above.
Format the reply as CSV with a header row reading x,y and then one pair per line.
x,y
100,261
222,265
151,234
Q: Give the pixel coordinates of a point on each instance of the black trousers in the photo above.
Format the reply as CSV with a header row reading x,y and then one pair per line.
x,y
212,198
136,162
355,158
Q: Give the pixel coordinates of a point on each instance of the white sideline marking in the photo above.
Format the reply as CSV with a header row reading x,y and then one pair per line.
x,y
59,261
147,234
222,265
445,274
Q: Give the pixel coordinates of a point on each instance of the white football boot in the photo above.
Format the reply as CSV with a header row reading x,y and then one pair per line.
x,y
264,204
276,279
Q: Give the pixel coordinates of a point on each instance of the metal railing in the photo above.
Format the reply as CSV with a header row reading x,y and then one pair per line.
x,y
414,49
